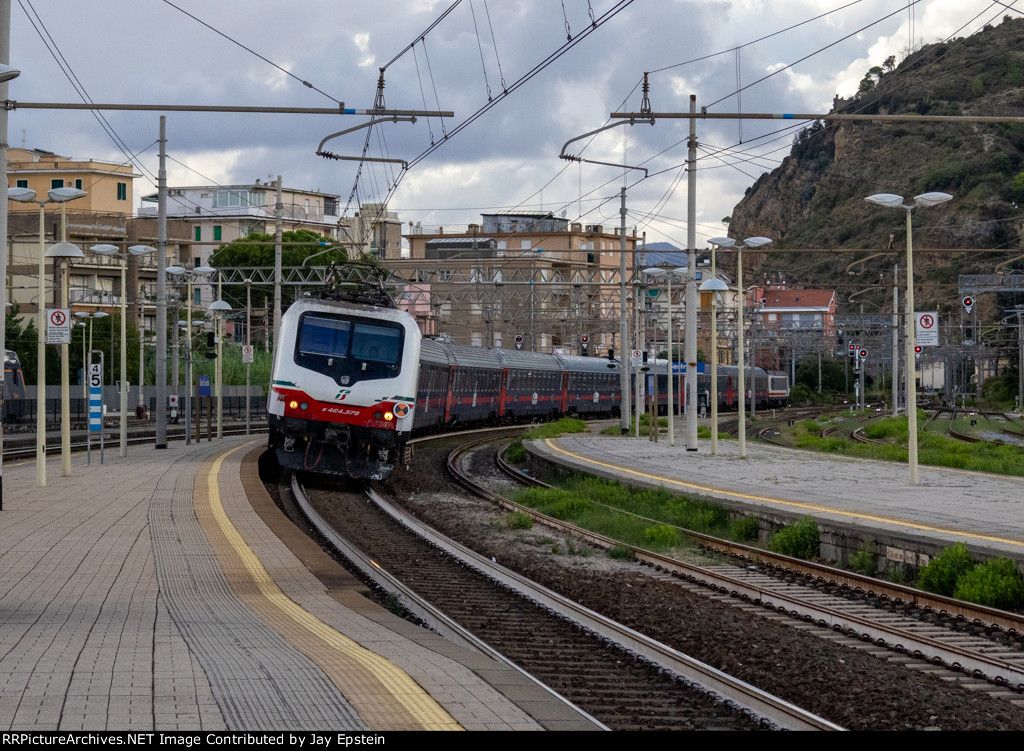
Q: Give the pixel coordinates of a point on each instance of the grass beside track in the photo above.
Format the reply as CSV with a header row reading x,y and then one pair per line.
x,y
934,448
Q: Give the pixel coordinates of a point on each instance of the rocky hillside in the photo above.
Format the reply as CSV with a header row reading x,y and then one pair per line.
x,y
815,198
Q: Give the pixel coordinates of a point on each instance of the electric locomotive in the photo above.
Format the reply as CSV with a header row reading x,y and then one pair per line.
x,y
344,382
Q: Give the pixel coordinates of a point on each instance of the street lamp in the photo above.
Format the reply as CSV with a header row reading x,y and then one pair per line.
x,y
750,242
189,275
110,251
56,195
655,271
64,251
714,285
7,73
891,201
218,308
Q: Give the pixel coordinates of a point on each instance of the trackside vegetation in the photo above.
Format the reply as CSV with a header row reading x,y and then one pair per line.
x,y
933,448
515,452
643,517
996,583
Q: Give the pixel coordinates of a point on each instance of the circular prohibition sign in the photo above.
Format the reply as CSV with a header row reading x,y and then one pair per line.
x,y
927,321
57,318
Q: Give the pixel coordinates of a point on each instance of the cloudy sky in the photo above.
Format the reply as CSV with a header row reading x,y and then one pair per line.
x,y
501,150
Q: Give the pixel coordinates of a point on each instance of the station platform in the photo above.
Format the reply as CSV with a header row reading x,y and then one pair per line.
x,y
165,591
869,498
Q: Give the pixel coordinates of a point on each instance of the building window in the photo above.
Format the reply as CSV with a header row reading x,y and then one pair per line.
x,y
21,183
197,233
122,191
78,183
56,183
197,296
216,233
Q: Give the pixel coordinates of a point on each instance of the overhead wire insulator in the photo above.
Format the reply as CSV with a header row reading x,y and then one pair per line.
x,y
378,102
645,103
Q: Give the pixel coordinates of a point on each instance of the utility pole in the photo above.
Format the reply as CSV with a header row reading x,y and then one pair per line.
x,y
5,54
278,216
161,293
624,408
691,284
895,340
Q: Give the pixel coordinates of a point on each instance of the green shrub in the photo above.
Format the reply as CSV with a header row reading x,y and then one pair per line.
x,y
568,507
703,431
660,536
519,520
811,426
996,584
515,453
745,529
864,560
942,572
799,540
621,552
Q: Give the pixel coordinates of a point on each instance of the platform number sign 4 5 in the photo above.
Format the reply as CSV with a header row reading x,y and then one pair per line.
x,y
95,375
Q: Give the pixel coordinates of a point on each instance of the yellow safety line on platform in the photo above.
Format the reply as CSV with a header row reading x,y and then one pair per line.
x,y
782,502
403,688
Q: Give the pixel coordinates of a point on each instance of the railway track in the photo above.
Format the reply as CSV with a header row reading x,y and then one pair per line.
x,y
967,640
614,674
21,448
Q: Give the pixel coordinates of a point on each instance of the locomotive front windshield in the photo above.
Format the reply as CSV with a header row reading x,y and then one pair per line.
x,y
349,351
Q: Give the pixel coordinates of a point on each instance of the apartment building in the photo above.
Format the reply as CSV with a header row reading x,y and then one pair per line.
x,y
517,274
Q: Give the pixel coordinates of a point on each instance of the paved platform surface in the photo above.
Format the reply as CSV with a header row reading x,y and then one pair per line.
x,y
946,505
149,593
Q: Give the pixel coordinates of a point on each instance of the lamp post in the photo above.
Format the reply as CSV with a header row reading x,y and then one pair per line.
x,y
218,308
134,250
714,285
56,195
655,271
7,73
189,275
892,201
64,251
750,242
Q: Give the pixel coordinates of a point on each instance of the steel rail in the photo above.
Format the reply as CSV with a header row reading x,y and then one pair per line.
x,y
409,599
996,670
761,703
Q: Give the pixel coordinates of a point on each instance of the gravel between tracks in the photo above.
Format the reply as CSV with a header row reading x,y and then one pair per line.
x,y
848,686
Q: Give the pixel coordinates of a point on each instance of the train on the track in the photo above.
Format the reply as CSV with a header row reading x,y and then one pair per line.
x,y
353,380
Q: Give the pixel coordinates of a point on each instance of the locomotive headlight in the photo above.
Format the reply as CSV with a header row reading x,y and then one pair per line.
x,y
378,415
304,406
293,404
388,417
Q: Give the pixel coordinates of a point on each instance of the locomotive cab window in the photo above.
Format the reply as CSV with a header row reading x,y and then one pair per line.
x,y
348,351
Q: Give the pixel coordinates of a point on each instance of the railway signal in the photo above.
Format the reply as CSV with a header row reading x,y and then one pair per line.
x,y
519,341
585,344
211,343
863,354
917,351
968,303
